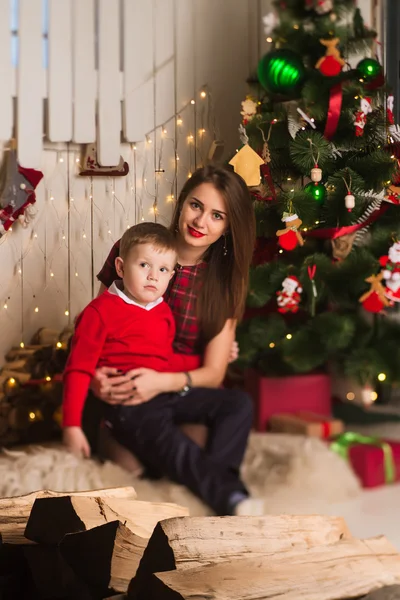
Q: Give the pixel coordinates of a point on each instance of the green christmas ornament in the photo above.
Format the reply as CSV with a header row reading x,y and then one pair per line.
x,y
281,72
369,68
316,190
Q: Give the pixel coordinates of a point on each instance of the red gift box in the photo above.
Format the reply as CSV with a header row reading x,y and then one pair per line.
x,y
368,463
275,395
305,423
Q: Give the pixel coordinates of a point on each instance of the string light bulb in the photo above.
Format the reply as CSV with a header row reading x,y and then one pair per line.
x,y
11,381
193,102
179,121
48,378
289,336
269,40
382,376
32,416
52,274
22,345
5,305
135,147
350,396
36,309
59,345
203,94
52,198
66,313
77,160
61,160
272,345
84,236
164,131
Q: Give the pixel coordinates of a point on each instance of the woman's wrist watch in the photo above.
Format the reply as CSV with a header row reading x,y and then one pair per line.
x,y
188,385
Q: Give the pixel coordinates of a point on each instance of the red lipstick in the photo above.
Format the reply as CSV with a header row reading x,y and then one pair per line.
x,y
195,233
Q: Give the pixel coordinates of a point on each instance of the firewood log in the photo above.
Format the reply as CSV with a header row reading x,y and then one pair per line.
x,y
347,569
52,576
46,337
14,512
388,592
105,558
187,542
16,365
18,375
52,518
25,352
15,576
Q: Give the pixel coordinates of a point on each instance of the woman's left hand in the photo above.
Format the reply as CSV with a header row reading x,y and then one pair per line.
x,y
147,384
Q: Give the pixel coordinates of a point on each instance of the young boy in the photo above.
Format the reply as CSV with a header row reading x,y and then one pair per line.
x,y
128,326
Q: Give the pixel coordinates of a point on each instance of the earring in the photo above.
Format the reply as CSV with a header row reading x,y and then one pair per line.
x,y
225,247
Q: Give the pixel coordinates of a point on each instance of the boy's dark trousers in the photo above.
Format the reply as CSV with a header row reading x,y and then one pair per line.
x,y
151,432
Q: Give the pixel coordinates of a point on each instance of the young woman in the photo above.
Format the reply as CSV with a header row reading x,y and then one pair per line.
x,y
215,228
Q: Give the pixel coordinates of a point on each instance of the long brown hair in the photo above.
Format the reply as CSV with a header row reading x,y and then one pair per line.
x,y
223,290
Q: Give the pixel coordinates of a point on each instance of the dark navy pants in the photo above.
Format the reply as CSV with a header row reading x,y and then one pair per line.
x,y
151,431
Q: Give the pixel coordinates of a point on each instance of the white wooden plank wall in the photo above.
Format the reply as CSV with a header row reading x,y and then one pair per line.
x,y
138,105
30,84
172,50
60,71
84,75
6,72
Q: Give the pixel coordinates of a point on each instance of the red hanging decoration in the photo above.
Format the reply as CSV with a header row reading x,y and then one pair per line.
x,y
334,110
290,237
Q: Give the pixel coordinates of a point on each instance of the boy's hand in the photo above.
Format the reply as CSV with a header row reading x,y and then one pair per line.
x,y
76,441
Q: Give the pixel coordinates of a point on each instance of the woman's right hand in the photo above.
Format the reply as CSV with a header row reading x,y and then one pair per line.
x,y
110,386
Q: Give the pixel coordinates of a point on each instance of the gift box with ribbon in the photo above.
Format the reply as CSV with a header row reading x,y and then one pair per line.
x,y
375,461
279,395
306,423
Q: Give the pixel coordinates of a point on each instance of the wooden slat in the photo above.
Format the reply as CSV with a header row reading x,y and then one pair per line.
x,y
164,61
109,118
84,75
60,72
6,113
138,105
30,84
185,83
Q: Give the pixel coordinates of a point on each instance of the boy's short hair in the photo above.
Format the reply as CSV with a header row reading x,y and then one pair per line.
x,y
147,233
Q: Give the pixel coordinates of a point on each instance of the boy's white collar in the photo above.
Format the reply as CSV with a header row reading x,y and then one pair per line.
x,y
115,288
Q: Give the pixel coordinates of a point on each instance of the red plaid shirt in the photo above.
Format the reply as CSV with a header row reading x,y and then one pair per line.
x,y
181,297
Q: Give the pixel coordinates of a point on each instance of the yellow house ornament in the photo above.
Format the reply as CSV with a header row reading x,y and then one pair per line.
x,y
246,163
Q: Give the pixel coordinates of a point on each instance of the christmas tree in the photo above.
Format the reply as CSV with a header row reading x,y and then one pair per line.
x,y
325,284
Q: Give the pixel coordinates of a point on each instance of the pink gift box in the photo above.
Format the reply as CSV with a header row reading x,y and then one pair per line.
x,y
368,463
293,394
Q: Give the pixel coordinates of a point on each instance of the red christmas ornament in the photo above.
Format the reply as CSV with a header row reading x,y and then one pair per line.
x,y
332,63
373,303
288,241
330,67
290,237
376,298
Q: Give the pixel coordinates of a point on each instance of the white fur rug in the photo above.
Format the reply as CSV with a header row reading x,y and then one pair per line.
x,y
294,474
